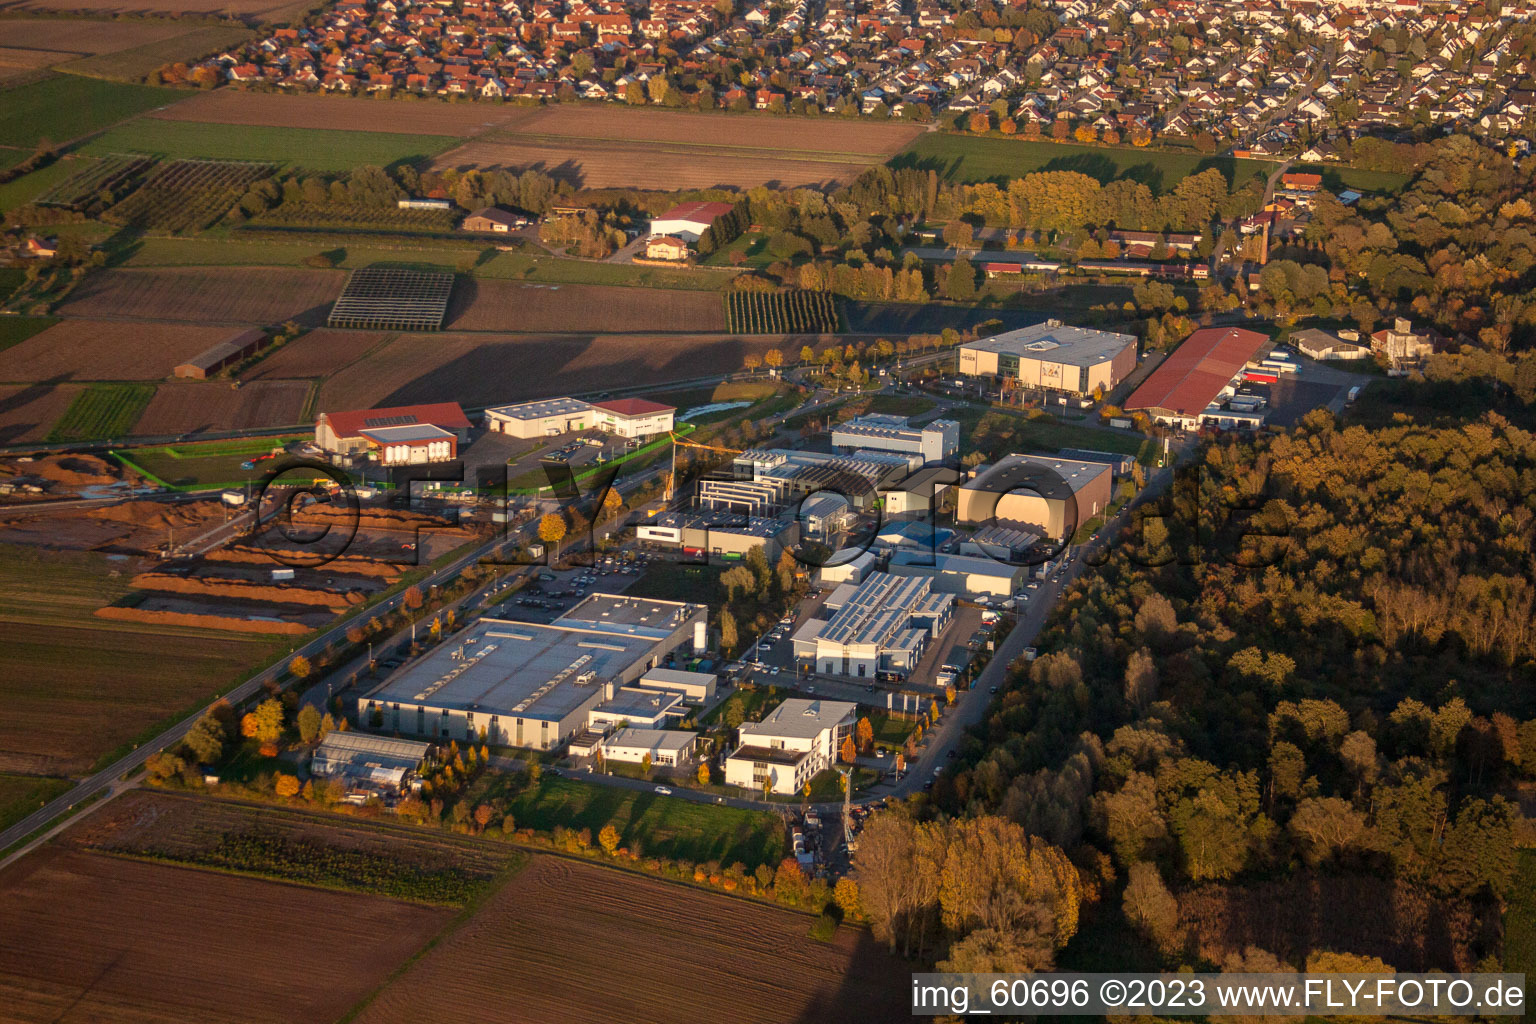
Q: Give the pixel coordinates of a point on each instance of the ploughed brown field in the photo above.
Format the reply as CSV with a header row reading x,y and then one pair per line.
x,y
286,110
28,411
488,369
196,407
316,354
76,37
95,938
19,63
572,942
212,295
106,350
171,7
493,305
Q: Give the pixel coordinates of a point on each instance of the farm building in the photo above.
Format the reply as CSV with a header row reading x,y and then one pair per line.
x,y
1196,375
798,739
716,532
935,441
524,684
880,625
633,417
690,220
494,220
225,354
539,419
387,299
1316,344
359,432
1053,357
364,762
1039,492
665,247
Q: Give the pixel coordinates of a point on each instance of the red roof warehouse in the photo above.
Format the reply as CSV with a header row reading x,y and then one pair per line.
x,y
1193,376
347,433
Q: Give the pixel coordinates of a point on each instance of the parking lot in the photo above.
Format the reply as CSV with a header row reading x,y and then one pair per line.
x,y
554,591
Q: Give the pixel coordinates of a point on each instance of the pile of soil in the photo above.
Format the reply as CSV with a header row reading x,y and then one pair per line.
x,y
66,470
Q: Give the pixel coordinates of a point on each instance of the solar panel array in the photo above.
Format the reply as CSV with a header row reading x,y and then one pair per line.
x,y
382,298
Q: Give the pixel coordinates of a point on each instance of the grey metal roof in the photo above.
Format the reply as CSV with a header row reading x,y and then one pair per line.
x,y
541,409
798,718
1057,343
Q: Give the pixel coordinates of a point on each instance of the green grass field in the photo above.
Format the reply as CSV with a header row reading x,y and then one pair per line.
x,y
103,411
1388,182
65,107
1039,435
16,329
972,158
20,795
135,64
660,826
202,466
28,187
315,149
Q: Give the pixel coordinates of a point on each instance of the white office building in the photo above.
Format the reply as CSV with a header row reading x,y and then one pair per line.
x,y
798,740
934,442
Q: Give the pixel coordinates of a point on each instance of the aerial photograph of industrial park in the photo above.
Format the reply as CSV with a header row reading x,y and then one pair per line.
x,y
767,511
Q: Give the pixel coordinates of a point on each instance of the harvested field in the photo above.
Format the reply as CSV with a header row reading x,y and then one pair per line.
x,y
79,37
97,938
559,924
195,407
208,295
513,306
137,62
149,7
28,411
156,609
243,590
17,63
74,687
319,353
106,350
481,369
786,135
284,110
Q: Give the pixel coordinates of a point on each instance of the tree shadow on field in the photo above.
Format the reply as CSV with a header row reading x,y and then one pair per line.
x,y
875,985
12,432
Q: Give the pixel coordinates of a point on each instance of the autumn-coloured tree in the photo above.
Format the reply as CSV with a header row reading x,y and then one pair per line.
x,y
552,528
846,895
848,751
286,785
608,839
980,122
412,598
613,503
300,668
773,358
309,722
483,815
866,733
645,764
268,721
1008,126
752,362
355,635
703,773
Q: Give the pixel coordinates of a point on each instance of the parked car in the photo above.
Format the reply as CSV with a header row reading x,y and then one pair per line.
x,y
663,790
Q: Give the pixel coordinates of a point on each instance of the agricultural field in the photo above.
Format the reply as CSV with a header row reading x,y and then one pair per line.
x,y
28,411
83,189
97,938
187,195
356,217
238,8
102,411
14,330
211,295
28,187
76,687
792,312
81,349
314,149
323,112
317,353
80,37
198,407
971,158
203,464
662,826
489,305
531,954
17,65
20,795
473,368
135,63
64,107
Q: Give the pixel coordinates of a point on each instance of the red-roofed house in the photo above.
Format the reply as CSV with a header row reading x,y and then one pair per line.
x,y
1191,379
690,220
633,417
434,435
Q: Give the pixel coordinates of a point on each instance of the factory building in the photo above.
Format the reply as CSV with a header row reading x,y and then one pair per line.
x,y
880,625
729,535
524,684
539,419
1053,496
1053,357
934,442
1196,375
965,575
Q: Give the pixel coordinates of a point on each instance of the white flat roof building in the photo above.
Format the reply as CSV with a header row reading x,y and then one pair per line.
x,y
934,441
787,749
1053,356
525,684
666,747
539,419
882,625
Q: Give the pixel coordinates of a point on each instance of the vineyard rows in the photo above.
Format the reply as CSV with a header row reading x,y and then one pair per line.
x,y
98,185
357,215
188,195
787,312
103,411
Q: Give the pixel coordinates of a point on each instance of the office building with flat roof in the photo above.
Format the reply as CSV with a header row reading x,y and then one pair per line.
x,y
1054,496
880,625
539,419
1053,357
524,684
788,748
934,441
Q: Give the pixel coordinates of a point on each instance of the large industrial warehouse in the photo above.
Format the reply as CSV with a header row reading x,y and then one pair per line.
x,y
1196,375
527,685
623,417
881,625
1051,495
1053,357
